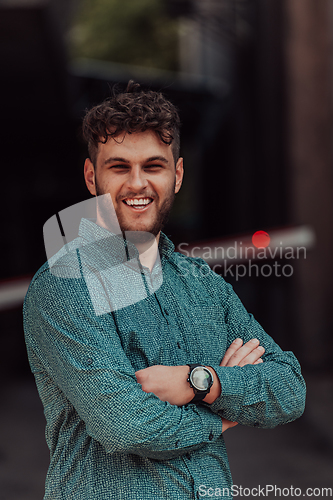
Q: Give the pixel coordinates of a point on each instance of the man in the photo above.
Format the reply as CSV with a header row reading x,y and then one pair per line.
x,y
141,363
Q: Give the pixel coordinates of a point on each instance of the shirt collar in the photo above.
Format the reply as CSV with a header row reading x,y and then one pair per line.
x,y
98,242
165,246
113,245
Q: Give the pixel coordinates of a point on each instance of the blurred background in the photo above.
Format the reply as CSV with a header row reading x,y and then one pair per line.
x,y
253,81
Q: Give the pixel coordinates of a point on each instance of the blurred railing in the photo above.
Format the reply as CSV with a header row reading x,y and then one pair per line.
x,y
12,292
219,250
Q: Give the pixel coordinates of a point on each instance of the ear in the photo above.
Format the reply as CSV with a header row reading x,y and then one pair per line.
x,y
179,174
89,176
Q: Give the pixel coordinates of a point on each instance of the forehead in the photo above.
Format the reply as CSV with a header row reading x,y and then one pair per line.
x,y
134,147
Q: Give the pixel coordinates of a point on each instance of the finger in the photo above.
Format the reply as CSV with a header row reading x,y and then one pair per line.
x,y
227,424
243,352
141,375
258,361
232,349
253,357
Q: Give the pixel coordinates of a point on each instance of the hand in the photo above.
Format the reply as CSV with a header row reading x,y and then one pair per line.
x,y
236,355
227,424
168,383
240,355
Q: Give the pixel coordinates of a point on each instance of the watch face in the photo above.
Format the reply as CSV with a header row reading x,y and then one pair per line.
x,y
201,378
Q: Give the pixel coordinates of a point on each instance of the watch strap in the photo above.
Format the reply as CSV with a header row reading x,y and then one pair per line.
x,y
199,396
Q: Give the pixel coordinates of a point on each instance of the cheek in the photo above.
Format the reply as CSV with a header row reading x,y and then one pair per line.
x,y
105,185
165,186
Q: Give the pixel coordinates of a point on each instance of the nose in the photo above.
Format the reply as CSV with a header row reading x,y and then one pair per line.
x,y
137,180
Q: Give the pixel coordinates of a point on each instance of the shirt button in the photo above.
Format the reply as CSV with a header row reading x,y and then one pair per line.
x,y
210,437
89,361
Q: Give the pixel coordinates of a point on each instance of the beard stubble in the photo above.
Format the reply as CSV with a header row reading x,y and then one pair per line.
x,y
161,218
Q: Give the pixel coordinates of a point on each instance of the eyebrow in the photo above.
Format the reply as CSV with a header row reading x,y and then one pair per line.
x,y
118,159
157,158
113,159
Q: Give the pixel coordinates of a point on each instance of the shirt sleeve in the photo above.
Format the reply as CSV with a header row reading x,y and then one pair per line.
x,y
263,395
81,353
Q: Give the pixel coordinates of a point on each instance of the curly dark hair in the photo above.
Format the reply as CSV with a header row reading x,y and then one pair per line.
x,y
134,110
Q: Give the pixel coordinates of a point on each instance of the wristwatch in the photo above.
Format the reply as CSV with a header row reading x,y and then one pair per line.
x,y
201,380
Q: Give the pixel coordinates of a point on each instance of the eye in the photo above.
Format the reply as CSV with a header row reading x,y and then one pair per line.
x,y
119,166
153,167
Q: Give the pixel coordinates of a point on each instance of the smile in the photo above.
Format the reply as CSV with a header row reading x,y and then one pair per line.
x,y
138,203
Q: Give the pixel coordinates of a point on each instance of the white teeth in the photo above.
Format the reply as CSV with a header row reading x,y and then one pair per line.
x,y
138,201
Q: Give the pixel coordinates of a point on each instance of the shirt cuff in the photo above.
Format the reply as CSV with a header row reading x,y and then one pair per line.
x,y
233,389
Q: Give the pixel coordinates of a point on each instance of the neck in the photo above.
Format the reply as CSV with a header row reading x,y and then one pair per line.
x,y
148,256
147,249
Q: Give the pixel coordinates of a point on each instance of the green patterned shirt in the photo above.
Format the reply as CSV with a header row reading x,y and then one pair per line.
x,y
107,438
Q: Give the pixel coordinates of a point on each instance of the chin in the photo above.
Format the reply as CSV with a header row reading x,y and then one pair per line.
x,y
139,226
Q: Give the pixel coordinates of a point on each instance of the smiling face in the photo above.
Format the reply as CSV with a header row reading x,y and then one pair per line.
x,y
139,172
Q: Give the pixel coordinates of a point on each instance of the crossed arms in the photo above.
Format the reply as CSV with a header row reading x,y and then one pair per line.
x,y
79,362
169,383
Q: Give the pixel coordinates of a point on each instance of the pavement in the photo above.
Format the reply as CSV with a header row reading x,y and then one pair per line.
x,y
289,461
